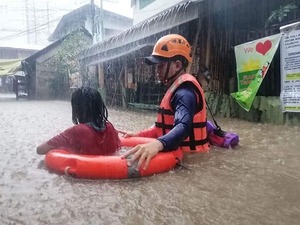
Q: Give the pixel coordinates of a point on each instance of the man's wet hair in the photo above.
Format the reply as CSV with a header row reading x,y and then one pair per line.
x,y
182,59
88,107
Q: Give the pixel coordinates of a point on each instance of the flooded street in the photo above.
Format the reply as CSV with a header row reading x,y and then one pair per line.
x,y
257,183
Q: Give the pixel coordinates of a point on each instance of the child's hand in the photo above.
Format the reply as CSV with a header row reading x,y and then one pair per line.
x,y
126,134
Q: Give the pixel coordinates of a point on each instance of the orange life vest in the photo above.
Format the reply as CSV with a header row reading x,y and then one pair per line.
x,y
197,140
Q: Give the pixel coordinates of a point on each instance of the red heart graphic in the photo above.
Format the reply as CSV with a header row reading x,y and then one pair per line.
x,y
263,48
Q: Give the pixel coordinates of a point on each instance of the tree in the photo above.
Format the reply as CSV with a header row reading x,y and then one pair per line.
x,y
67,63
279,14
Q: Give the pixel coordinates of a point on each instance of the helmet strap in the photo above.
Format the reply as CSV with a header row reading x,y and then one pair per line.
x,y
166,79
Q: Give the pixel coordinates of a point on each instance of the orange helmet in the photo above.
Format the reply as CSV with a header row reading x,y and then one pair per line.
x,y
169,46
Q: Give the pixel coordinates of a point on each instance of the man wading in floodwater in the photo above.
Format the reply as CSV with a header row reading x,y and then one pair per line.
x,y
181,119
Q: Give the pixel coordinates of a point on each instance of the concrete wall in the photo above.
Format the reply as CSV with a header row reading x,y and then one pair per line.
x,y
264,109
15,53
44,75
152,9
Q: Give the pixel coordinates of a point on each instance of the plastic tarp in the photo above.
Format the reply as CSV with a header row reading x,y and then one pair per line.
x,y
10,66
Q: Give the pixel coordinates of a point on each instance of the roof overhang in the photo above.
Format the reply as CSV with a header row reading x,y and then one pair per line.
x,y
138,51
179,14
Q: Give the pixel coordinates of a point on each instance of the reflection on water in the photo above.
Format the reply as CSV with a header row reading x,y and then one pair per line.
x,y
257,183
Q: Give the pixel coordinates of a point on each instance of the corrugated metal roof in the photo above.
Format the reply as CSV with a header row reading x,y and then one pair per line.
x,y
175,16
20,46
78,16
146,48
53,45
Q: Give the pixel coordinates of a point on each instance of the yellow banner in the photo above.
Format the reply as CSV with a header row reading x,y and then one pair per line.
x,y
9,66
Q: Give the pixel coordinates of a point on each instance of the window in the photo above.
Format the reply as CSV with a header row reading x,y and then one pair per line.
x,y
144,3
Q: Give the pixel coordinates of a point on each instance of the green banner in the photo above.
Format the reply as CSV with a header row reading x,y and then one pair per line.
x,y
253,60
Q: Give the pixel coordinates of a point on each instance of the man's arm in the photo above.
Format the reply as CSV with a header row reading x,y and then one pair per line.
x,y
184,104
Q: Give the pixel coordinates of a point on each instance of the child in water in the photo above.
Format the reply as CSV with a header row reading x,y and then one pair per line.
x,y
92,133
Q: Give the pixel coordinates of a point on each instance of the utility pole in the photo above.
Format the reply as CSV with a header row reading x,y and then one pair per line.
x,y
101,20
48,18
27,21
35,31
102,30
93,19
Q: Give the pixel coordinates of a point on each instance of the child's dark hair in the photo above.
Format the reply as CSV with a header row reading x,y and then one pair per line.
x,y
88,107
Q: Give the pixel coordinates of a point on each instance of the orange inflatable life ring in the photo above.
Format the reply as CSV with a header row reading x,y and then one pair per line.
x,y
109,167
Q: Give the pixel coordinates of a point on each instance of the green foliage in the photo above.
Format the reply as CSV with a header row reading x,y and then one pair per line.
x,y
67,63
279,14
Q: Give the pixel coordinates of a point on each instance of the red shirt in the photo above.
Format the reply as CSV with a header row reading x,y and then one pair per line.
x,y
84,139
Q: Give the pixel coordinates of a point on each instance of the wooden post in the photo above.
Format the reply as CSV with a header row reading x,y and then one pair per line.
x,y
101,76
208,42
124,85
101,80
195,42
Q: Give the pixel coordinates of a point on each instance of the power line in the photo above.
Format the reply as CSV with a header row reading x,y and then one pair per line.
x,y
31,30
43,14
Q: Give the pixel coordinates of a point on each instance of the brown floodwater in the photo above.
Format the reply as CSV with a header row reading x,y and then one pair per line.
x,y
256,183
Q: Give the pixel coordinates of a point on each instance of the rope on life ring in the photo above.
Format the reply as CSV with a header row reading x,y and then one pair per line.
x,y
180,164
66,171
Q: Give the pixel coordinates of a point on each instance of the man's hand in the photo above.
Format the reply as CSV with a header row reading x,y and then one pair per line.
x,y
143,152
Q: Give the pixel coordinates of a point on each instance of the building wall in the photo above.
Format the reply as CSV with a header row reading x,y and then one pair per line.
x,y
117,23
158,6
15,53
44,77
112,26
6,81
